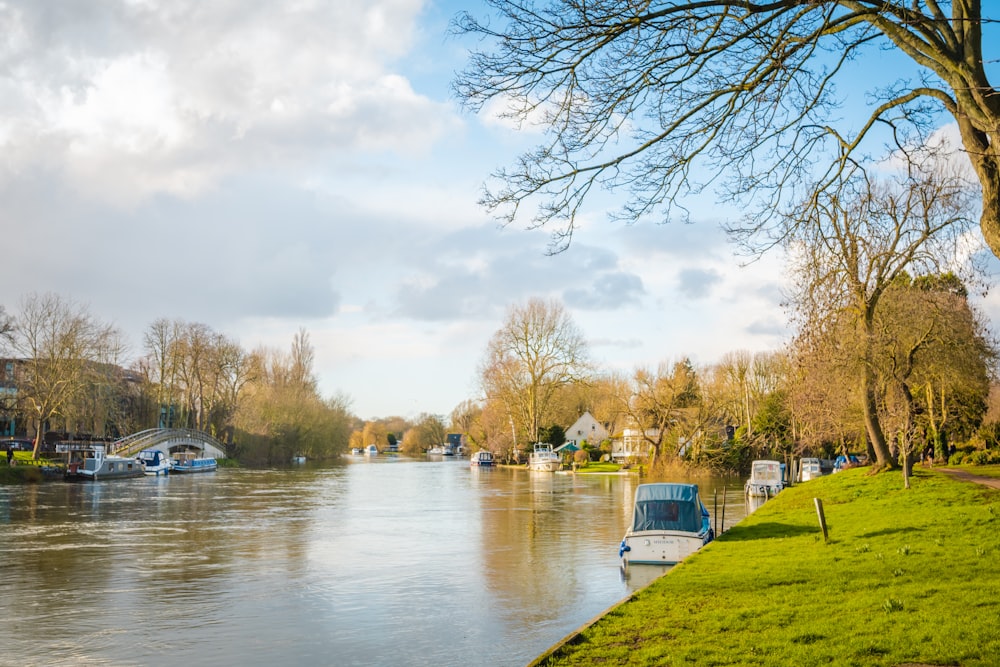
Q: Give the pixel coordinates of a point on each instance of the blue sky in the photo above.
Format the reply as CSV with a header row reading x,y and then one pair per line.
x,y
265,167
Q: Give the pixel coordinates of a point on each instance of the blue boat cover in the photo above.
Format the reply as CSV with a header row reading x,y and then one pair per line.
x,y
668,507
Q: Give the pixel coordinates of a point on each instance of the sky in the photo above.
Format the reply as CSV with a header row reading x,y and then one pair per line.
x,y
264,168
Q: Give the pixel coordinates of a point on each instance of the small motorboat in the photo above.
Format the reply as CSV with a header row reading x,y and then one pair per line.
x,y
767,478
544,459
810,468
154,462
371,450
669,523
483,459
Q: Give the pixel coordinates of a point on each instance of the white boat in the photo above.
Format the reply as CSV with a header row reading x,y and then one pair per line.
x,y
767,478
356,451
810,469
154,462
482,458
91,463
194,465
544,459
298,459
371,450
669,523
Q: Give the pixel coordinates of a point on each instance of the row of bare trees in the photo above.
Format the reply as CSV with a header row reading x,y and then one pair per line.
x,y
67,373
888,356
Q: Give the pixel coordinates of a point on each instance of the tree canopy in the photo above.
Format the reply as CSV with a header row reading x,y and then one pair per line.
x,y
664,98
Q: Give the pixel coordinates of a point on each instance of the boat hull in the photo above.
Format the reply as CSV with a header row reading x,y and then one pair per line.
x,y
661,547
197,465
545,466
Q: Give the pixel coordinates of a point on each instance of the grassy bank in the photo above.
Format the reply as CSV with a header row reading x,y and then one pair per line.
x,y
907,577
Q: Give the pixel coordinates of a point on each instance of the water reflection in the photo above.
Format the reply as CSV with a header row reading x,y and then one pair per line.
x,y
386,561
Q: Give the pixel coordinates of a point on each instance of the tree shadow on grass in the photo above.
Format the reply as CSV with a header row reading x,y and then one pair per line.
x,y
764,531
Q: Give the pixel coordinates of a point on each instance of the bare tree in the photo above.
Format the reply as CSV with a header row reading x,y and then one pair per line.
x,y
62,347
664,98
537,350
851,245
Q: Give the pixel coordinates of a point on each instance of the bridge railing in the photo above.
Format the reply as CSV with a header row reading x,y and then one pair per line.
x,y
136,442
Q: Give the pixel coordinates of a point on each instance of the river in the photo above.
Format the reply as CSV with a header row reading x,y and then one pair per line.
x,y
392,561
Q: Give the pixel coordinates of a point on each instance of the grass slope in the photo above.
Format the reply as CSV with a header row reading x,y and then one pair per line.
x,y
907,577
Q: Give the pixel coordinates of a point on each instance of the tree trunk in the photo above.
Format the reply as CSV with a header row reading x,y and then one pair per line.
x,y
873,425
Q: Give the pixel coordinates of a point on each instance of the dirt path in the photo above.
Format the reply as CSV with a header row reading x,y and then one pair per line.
x,y
992,482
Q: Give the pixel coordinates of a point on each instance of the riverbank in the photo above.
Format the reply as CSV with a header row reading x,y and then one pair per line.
x,y
906,577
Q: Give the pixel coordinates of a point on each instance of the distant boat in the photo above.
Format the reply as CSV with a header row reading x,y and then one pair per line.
x,y
91,463
371,450
154,462
669,523
482,458
544,459
298,459
194,465
767,478
356,451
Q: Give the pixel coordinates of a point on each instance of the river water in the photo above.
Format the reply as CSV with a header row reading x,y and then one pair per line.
x,y
392,561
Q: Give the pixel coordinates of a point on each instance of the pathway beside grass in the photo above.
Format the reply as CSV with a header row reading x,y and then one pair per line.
x,y
907,577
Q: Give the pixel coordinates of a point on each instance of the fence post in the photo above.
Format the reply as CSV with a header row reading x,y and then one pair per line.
x,y
822,517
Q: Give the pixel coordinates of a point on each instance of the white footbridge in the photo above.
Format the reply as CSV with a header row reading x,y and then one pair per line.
x,y
169,441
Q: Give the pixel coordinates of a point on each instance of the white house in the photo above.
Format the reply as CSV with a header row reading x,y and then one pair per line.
x,y
586,428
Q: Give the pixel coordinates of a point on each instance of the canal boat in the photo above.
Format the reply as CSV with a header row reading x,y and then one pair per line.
x,y
184,465
483,459
154,462
669,523
767,478
91,463
544,459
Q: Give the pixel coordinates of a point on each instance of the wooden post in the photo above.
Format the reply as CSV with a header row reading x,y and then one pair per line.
x,y
822,517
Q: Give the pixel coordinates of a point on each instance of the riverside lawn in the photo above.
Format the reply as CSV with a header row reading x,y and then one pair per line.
x,y
909,576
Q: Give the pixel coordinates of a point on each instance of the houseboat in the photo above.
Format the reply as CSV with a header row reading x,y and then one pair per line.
x,y
92,463
669,523
186,465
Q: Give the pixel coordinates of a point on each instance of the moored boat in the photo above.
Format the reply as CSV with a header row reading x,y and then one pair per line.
x,y
91,463
371,450
544,459
767,478
194,465
154,462
810,468
483,459
669,523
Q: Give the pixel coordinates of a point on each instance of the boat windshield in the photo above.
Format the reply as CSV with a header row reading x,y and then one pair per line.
x,y
667,507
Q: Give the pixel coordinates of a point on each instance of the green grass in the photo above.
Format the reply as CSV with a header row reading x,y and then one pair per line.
x,y
908,576
603,466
